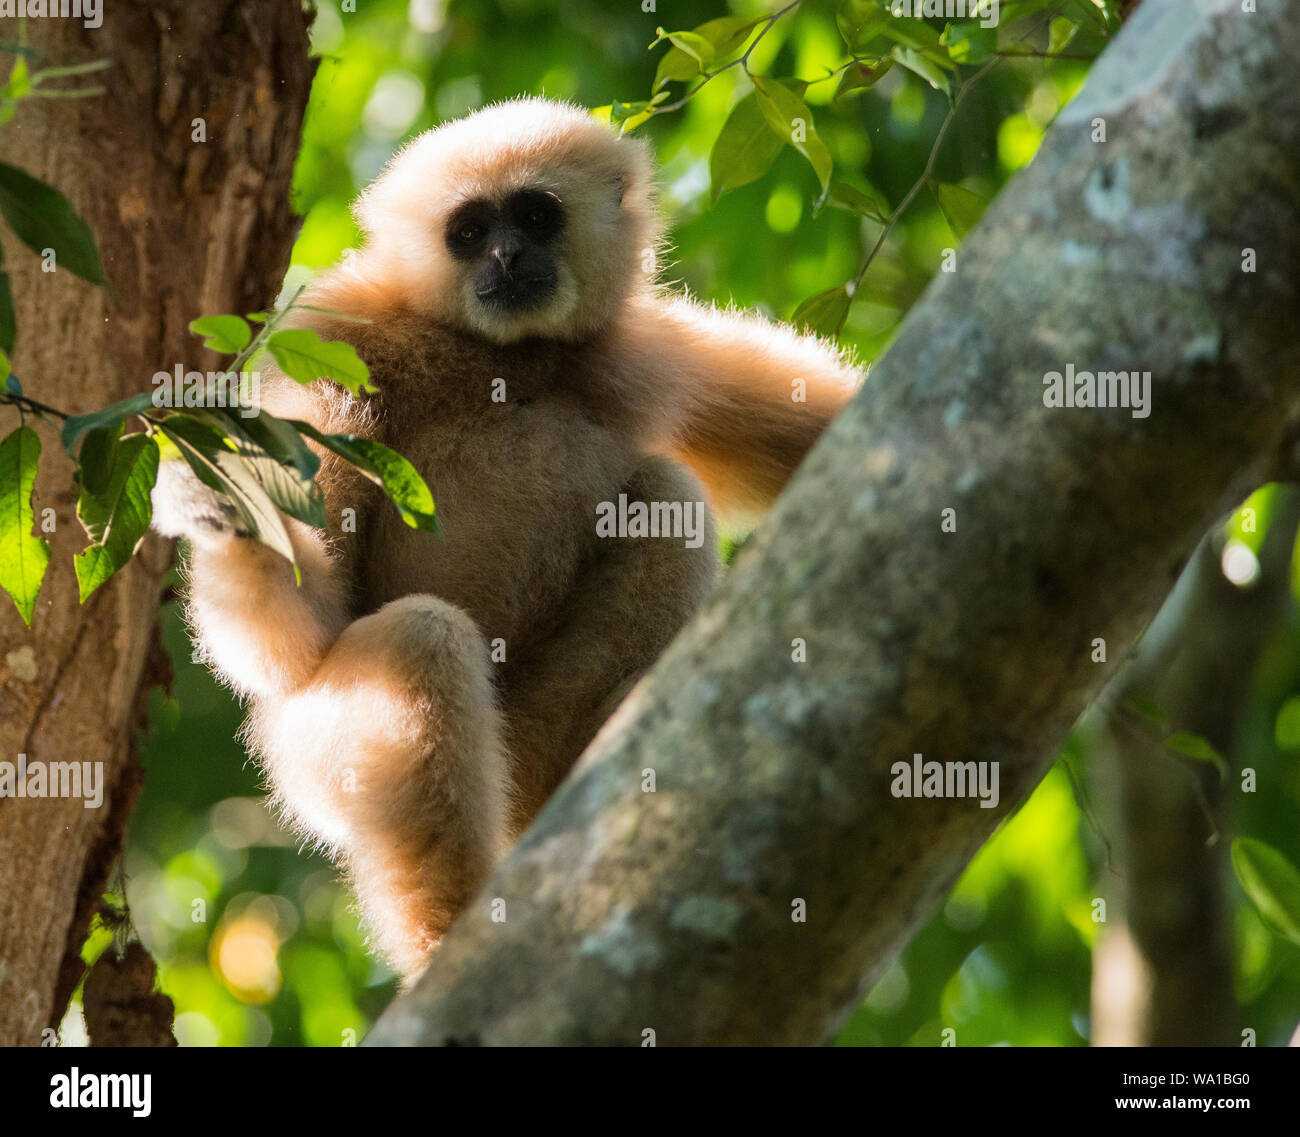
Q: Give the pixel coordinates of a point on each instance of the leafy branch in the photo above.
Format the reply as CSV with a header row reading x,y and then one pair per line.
x,y
877,36
264,465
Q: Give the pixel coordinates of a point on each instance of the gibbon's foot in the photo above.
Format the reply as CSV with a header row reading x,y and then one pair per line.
x,y
392,757
184,507
633,597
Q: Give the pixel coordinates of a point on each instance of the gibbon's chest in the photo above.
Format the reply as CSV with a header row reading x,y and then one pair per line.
x,y
516,484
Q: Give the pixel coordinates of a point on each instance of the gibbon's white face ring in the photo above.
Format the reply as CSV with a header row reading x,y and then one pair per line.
x,y
553,318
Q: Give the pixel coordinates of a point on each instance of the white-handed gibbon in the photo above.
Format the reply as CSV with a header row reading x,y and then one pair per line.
x,y
415,701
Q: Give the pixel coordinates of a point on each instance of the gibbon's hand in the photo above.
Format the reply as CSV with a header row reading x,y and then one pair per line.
x,y
184,507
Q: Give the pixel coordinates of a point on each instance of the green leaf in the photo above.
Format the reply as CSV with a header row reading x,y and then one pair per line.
x,y
691,43
227,334
77,425
1077,10
675,67
278,458
1194,746
116,518
217,465
19,83
860,77
969,42
785,112
1063,30
631,115
23,558
825,312
1149,710
916,34
99,457
960,208
12,386
1271,881
388,469
745,148
304,356
860,21
279,438
43,219
924,66
870,204
727,33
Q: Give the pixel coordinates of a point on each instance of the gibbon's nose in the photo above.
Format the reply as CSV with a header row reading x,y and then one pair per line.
x,y
506,253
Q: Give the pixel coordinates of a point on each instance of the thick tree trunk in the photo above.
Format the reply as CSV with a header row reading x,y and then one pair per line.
x,y
677,911
184,228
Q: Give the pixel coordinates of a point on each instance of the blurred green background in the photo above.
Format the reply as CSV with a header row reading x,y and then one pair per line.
x,y
255,938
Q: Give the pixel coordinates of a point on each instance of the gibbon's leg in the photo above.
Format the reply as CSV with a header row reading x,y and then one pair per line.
x,y
392,757
631,600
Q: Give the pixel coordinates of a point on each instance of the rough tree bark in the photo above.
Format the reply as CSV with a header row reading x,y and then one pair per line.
x,y
184,228
671,911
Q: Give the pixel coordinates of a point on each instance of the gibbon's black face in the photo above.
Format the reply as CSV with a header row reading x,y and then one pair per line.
x,y
509,248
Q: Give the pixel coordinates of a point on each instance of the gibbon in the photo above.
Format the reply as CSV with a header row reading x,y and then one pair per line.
x,y
415,701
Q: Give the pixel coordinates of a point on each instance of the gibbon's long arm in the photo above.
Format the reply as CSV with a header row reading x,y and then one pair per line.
x,y
263,633
754,397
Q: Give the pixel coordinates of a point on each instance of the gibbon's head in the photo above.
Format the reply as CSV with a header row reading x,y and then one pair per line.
x,y
526,218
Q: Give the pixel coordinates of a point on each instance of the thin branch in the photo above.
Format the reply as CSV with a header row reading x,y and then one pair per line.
x,y
741,61
916,186
26,403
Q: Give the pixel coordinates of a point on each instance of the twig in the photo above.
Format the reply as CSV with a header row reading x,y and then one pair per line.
x,y
742,62
916,186
25,402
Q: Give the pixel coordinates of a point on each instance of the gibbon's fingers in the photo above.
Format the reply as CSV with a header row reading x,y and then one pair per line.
x,y
392,758
756,396
184,507
261,632
623,611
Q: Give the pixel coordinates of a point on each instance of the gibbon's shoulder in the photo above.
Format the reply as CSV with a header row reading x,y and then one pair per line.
x,y
411,353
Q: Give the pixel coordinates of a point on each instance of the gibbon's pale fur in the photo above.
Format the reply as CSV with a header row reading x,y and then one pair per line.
x,y
386,730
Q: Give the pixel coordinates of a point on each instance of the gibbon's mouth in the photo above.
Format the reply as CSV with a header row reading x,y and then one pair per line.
x,y
518,294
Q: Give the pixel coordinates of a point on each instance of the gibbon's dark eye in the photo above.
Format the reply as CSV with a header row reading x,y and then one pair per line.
x,y
537,212
467,228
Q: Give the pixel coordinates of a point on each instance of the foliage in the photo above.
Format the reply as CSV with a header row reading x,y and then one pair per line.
x,y
261,463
